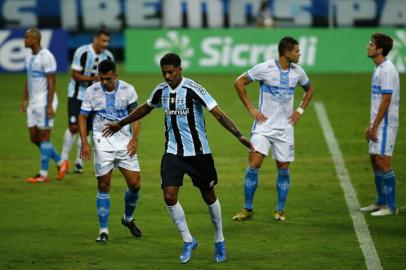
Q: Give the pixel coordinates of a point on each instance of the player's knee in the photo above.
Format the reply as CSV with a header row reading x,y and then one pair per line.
x,y
104,186
170,199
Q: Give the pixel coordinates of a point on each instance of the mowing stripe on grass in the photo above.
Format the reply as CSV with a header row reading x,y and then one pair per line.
x,y
361,229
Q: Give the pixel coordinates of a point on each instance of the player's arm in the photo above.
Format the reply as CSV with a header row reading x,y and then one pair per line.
x,y
371,132
228,124
79,77
23,106
307,97
85,153
239,85
135,115
51,77
132,145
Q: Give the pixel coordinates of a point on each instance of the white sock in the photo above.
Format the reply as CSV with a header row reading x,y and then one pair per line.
x,y
178,218
68,139
43,173
104,230
215,214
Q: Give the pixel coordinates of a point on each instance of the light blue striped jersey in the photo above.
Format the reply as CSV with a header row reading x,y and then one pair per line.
x,y
184,120
85,60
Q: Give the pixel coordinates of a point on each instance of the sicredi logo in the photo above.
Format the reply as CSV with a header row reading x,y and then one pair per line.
x,y
227,51
12,50
398,53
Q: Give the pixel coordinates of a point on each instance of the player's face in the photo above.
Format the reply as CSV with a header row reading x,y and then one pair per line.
x,y
372,51
108,80
100,43
293,55
172,75
28,40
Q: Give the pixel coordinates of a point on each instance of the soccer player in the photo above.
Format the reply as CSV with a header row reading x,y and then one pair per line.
x,y
383,126
186,147
84,73
111,100
273,120
39,88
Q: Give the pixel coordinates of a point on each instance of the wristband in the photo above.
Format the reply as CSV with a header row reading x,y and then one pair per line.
x,y
300,110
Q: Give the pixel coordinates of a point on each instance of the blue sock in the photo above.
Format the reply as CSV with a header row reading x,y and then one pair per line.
x,y
379,188
130,202
282,186
103,208
55,155
389,188
250,186
45,149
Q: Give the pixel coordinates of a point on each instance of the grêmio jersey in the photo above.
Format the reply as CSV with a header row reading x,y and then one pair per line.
x,y
385,80
85,60
38,66
106,107
185,130
277,89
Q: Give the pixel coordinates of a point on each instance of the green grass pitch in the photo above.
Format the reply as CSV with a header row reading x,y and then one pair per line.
x,y
54,225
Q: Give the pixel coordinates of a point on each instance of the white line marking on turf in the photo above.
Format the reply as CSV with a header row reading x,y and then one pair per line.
x,y
361,228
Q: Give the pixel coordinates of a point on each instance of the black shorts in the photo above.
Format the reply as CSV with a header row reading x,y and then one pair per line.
x,y
74,105
200,169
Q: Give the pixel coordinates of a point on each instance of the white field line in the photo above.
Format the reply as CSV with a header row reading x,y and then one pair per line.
x,y
361,228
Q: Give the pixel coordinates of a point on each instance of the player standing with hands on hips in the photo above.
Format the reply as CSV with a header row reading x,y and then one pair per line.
x,y
274,120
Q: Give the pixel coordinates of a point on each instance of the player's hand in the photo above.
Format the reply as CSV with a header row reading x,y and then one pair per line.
x,y
294,118
132,147
258,116
247,143
50,112
110,129
85,153
23,106
371,134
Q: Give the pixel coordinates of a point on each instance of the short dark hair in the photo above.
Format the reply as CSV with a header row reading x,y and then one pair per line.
x,y
382,41
171,59
286,44
102,31
106,66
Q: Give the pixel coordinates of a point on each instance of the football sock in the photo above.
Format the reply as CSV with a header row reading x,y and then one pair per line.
x,y
282,186
178,218
103,208
68,139
250,186
379,188
55,155
78,160
389,188
130,202
215,214
46,152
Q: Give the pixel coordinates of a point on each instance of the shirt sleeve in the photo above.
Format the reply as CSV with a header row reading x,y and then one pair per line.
x,y
203,95
86,106
132,103
49,63
304,81
76,59
154,99
257,72
387,80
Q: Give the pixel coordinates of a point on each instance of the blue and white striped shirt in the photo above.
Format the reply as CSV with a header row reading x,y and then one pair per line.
x,y
184,120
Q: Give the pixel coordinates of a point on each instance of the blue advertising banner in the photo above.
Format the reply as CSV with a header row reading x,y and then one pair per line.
x,y
13,52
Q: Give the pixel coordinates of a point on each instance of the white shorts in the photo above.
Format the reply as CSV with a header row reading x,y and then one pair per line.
x,y
105,161
38,116
386,141
280,140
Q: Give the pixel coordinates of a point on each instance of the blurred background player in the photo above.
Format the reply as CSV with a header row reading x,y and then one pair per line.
x,y
383,126
84,73
186,149
274,120
111,100
39,88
